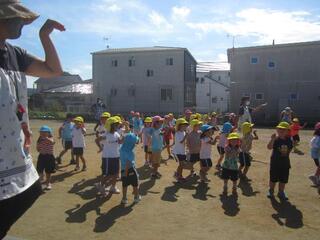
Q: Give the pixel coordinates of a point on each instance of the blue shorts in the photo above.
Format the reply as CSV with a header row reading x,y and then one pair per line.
x,y
315,153
110,166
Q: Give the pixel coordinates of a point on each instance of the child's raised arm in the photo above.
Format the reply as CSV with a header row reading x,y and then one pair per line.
x,y
271,142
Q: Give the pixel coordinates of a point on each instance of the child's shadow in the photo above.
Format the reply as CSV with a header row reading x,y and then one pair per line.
x,y
201,192
144,172
246,188
230,204
146,186
61,177
79,188
170,192
293,217
106,220
78,214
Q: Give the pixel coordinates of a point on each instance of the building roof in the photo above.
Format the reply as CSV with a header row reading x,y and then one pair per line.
x,y
213,66
85,87
283,45
142,49
66,77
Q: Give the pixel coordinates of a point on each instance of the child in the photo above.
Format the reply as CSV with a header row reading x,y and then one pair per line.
x,y
110,155
137,124
281,146
46,160
129,174
194,143
230,164
226,129
315,154
101,130
168,130
246,144
214,120
179,147
144,134
65,133
294,132
78,142
205,151
156,145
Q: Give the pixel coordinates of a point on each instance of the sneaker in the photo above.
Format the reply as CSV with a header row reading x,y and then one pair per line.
x,y
158,175
124,201
137,199
48,187
100,188
58,159
72,162
115,190
77,168
270,193
283,196
218,166
84,168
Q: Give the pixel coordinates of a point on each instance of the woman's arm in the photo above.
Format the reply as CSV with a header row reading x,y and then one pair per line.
x,y
51,66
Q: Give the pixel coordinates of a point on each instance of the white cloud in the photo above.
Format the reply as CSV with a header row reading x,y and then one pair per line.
x,y
159,21
114,8
180,13
222,57
266,25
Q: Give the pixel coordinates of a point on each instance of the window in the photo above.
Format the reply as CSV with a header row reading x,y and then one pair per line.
x,y
293,96
188,94
214,100
166,94
197,80
219,78
149,73
254,60
271,64
202,80
114,63
259,96
132,62
221,99
192,68
132,91
113,92
169,61
229,74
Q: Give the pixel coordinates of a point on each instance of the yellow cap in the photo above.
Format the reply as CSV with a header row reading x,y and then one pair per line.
x,y
284,125
232,136
193,116
105,115
199,116
213,114
111,121
296,120
180,121
148,120
246,127
78,119
195,122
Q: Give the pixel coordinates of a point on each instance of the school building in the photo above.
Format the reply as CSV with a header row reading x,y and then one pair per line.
x,y
282,75
212,87
149,80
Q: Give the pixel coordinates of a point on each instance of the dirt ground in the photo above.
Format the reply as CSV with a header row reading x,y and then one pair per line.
x,y
169,210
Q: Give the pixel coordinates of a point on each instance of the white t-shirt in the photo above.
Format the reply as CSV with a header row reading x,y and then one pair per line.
x,y
222,140
111,145
78,138
205,150
101,129
178,147
145,134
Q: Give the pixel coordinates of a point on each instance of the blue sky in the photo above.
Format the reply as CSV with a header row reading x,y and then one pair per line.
x,y
201,26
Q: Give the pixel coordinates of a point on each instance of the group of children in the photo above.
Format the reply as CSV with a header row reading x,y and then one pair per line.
x,y
190,137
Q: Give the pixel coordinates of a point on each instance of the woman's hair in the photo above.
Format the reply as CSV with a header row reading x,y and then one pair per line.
x,y
316,132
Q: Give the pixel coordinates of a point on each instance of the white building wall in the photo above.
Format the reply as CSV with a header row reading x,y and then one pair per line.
x,y
147,89
211,96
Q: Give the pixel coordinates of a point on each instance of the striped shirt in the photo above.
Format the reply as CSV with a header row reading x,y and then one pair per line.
x,y
45,146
